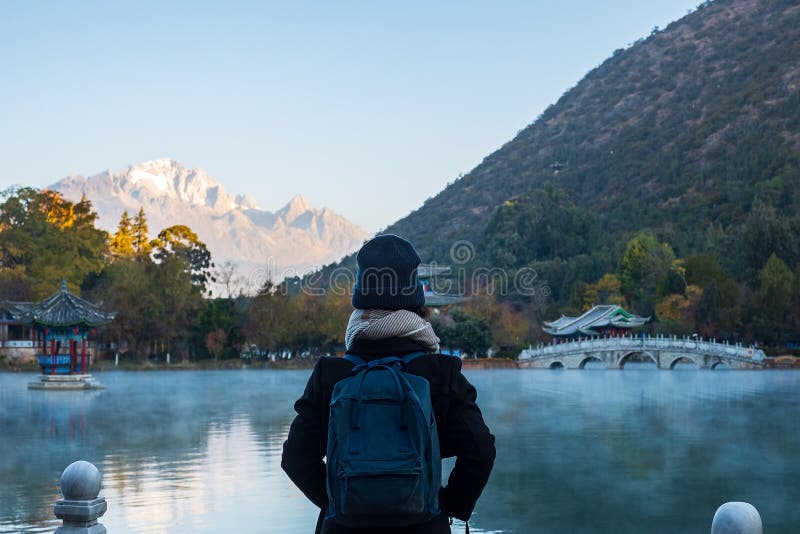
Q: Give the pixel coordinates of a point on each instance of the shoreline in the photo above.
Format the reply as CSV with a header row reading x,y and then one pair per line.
x,y
211,365
470,364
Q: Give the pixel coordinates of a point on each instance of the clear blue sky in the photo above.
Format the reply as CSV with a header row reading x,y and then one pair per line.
x,y
366,107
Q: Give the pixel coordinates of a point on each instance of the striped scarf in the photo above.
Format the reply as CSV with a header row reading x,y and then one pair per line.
x,y
385,324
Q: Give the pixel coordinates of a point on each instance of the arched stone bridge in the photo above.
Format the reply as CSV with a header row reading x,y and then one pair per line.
x,y
666,352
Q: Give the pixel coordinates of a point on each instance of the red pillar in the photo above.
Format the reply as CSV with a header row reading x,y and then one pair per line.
x,y
73,348
84,369
53,354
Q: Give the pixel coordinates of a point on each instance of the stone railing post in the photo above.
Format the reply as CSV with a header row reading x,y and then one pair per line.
x,y
736,518
80,507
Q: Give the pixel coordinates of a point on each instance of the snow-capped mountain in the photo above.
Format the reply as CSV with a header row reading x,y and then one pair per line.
x,y
234,228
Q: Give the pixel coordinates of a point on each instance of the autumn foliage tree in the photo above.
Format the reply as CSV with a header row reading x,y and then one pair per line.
x,y
45,238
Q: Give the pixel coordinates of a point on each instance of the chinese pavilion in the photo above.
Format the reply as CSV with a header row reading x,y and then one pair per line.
x,y
61,325
427,274
604,320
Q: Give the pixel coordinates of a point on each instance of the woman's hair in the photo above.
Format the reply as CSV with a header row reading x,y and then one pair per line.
x,y
422,311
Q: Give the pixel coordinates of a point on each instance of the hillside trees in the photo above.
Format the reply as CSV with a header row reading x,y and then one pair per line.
x,y
764,232
773,297
748,296
542,224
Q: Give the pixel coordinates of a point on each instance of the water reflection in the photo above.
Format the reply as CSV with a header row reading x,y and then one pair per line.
x,y
221,489
178,451
611,451
600,451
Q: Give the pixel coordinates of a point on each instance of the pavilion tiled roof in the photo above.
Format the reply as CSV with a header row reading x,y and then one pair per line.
x,y
15,309
435,299
63,309
598,317
426,272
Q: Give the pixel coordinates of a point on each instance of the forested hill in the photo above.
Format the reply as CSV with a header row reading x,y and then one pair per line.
x,y
682,134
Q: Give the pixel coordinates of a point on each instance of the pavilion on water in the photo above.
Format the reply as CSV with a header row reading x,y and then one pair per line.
x,y
59,327
427,274
604,320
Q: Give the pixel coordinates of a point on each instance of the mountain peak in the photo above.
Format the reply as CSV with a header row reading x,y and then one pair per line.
x,y
246,202
296,207
161,166
162,163
299,202
155,173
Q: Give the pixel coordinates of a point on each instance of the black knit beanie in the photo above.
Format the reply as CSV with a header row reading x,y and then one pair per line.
x,y
387,275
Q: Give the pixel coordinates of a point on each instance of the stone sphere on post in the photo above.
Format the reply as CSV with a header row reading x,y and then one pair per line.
x,y
80,481
736,518
81,505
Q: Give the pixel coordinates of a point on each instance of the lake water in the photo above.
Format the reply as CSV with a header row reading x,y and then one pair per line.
x,y
578,451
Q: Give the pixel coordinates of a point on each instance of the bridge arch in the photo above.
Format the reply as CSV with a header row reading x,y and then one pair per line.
x,y
591,359
556,365
637,357
683,359
720,365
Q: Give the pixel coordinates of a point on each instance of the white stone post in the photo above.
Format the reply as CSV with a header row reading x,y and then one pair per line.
x,y
80,507
736,518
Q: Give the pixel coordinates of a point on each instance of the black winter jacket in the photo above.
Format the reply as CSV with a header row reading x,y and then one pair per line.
x,y
462,433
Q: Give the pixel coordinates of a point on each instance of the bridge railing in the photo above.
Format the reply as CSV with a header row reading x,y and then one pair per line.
x,y
710,347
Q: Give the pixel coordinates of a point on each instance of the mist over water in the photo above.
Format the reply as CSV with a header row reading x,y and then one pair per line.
x,y
593,451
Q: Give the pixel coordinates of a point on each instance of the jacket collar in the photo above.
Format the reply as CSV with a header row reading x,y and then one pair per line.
x,y
395,346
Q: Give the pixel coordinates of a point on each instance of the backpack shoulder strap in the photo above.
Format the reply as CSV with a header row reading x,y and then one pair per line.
x,y
408,358
360,363
355,359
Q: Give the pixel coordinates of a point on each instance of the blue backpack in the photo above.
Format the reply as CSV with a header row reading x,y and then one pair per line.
x,y
383,463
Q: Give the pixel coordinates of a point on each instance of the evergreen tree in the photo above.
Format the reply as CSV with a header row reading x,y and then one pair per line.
x,y
140,234
776,281
648,269
708,309
121,245
181,243
85,217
